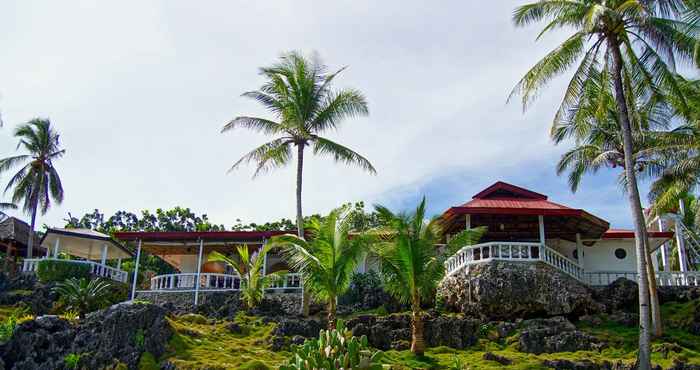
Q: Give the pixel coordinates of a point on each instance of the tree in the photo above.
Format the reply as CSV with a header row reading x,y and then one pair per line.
x,y
645,36
410,261
250,269
298,94
327,257
594,126
37,182
83,295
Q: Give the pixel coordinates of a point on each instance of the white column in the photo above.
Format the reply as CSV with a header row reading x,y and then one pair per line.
x,y
541,221
264,267
199,271
103,259
680,241
664,249
579,250
119,263
136,271
56,246
468,223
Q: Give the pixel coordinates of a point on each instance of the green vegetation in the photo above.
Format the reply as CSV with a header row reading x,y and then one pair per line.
x,y
59,271
148,362
10,317
334,349
326,258
83,295
36,185
200,344
250,269
72,360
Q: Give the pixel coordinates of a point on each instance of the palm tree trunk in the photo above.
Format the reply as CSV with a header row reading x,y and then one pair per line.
x,y
653,294
30,242
305,296
417,341
332,302
644,357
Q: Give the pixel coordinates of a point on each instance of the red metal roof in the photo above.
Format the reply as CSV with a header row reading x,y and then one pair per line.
x,y
197,235
629,234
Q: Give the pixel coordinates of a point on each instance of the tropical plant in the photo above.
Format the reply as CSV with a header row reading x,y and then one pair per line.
x,y
638,42
7,328
335,349
72,360
57,270
37,182
327,258
597,143
410,262
83,295
250,269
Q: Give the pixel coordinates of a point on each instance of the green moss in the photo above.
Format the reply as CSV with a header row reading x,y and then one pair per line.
x,y
254,365
148,362
212,346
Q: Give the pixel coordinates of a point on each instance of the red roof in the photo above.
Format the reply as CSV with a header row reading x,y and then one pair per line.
x,y
629,234
197,235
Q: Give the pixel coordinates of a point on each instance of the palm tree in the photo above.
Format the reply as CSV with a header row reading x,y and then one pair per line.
x,y
327,257
250,269
598,143
410,262
298,94
83,295
37,182
646,36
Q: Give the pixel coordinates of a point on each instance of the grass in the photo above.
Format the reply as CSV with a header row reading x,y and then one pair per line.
x,y
199,343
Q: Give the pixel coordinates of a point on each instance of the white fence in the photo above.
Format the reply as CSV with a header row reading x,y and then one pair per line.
x,y
676,278
511,251
215,282
32,264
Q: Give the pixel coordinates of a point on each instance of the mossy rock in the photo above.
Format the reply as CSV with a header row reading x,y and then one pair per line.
x,y
254,365
194,318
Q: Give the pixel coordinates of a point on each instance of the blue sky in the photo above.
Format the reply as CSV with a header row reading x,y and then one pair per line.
x,y
140,90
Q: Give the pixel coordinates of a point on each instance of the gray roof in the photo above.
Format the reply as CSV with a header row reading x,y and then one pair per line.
x,y
15,230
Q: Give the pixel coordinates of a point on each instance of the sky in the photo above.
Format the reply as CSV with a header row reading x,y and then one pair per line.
x,y
139,91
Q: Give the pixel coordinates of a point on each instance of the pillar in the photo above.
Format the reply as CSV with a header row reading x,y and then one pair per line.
x,y
199,272
680,241
579,250
264,266
664,249
136,271
468,223
119,263
103,259
541,222
56,246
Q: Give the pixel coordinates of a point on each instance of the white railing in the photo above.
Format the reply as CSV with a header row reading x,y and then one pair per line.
x,y
674,278
32,264
511,251
215,282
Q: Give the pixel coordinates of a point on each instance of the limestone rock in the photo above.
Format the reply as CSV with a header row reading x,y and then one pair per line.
x,y
501,290
553,335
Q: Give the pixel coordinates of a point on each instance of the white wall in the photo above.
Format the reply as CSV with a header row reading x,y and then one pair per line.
x,y
601,255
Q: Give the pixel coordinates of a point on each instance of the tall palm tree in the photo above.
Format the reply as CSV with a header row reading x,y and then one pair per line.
x,y
327,258
250,269
298,94
410,261
648,36
598,143
37,183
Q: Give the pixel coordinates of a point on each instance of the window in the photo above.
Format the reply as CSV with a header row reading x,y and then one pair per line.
x,y
620,253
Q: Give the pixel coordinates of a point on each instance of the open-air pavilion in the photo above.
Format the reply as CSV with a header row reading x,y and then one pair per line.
x,y
83,246
14,239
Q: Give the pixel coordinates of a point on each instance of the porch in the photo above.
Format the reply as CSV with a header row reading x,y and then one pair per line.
x,y
187,282
81,247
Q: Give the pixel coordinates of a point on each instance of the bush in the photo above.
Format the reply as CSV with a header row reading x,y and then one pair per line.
x,y
72,360
334,349
59,271
361,285
148,362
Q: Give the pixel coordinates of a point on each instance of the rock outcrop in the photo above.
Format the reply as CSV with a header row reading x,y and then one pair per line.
x,y
553,335
119,334
502,290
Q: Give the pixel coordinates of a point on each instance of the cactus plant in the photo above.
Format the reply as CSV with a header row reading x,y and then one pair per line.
x,y
335,349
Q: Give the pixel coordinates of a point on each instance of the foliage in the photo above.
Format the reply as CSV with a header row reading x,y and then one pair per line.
x,y
139,339
70,315
7,328
83,295
59,271
148,362
175,219
37,182
361,284
327,258
334,349
72,360
250,269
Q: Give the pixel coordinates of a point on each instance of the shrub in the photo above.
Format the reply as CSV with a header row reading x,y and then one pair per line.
x,y
361,284
59,271
83,295
72,360
139,339
334,349
148,362
7,328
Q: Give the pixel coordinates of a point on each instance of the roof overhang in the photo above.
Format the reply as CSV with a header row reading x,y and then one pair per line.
x,y
186,242
83,243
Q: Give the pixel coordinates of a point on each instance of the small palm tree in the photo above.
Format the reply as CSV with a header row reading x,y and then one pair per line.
x,y
37,182
638,42
250,269
410,261
83,295
327,258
